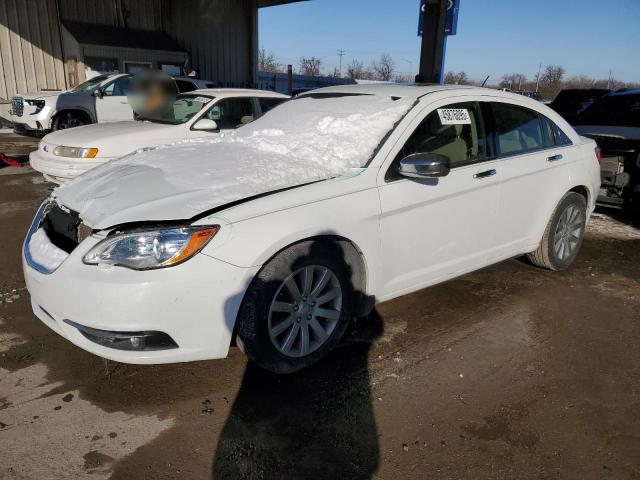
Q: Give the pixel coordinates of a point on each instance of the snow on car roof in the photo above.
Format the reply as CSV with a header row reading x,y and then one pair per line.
x,y
391,89
301,141
218,92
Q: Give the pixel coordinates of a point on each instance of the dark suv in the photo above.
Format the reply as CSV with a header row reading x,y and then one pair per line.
x,y
571,101
614,123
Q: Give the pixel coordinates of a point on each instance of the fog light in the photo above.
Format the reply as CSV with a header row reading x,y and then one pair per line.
x,y
134,341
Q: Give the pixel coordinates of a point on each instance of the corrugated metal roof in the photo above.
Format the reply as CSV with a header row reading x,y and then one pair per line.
x,y
273,3
94,34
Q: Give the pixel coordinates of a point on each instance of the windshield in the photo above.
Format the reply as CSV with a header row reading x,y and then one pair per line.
x,y
613,110
183,109
340,129
90,84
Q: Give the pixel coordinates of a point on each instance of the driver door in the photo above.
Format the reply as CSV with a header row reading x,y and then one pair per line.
x,y
436,228
114,106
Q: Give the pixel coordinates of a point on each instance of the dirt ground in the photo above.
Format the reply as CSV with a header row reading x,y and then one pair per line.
x,y
508,373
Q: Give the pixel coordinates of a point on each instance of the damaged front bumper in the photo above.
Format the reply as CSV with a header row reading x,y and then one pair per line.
x,y
176,314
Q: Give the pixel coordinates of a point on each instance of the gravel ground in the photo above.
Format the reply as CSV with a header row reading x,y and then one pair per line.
x,y
508,373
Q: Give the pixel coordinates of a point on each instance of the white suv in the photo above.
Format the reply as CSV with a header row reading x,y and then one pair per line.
x,y
277,234
100,99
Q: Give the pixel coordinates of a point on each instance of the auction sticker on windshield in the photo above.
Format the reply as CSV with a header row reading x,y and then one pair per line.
x,y
454,116
201,99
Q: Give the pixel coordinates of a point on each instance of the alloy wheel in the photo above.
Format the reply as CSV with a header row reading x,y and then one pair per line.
x,y
305,311
568,232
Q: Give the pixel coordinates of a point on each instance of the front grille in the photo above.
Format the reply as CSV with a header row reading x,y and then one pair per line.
x,y
17,106
61,227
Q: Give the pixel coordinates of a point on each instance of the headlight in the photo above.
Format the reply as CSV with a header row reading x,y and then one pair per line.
x,y
39,104
75,152
148,249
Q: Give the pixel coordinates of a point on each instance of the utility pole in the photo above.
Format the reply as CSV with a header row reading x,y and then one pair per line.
x,y
433,42
609,80
538,78
341,54
410,66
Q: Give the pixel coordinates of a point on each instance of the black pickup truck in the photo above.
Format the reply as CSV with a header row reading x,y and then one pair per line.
x,y
614,123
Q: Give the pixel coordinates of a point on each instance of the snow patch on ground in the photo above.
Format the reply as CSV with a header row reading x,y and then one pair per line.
x,y
44,252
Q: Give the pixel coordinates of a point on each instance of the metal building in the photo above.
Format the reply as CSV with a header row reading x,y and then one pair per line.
x,y
52,44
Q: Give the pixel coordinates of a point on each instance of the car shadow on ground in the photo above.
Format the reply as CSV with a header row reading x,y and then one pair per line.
x,y
317,423
629,217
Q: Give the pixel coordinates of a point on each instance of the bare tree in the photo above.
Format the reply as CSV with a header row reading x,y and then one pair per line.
x,y
551,81
514,81
310,66
357,71
403,78
457,78
383,67
267,62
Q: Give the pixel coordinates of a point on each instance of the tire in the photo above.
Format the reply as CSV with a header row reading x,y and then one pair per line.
x,y
268,302
67,120
561,241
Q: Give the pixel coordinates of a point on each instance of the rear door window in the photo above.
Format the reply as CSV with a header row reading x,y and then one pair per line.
x,y
267,104
517,129
230,113
185,86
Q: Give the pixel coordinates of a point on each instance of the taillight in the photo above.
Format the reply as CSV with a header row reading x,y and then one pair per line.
x,y
598,154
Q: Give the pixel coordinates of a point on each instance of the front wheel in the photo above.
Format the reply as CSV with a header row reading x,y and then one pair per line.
x,y
67,120
297,308
563,235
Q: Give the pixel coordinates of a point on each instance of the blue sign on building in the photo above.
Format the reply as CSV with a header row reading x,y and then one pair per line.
x,y
450,22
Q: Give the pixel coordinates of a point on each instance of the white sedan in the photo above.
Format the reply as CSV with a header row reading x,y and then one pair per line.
x,y
278,234
67,153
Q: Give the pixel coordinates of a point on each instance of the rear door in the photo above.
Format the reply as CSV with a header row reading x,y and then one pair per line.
x,y
534,167
114,106
433,229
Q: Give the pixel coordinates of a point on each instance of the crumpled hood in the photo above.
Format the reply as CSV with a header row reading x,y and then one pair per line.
x,y
117,138
302,141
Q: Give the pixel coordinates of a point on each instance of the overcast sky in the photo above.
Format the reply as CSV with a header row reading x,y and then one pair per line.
x,y
494,36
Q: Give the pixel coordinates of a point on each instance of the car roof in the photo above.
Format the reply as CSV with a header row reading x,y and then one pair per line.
x,y
412,90
631,91
237,92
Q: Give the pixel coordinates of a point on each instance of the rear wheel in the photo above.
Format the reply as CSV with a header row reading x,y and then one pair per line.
x,y
296,309
563,235
68,120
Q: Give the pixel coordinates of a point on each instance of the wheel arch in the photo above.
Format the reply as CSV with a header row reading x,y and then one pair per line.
x,y
584,191
77,111
580,190
354,258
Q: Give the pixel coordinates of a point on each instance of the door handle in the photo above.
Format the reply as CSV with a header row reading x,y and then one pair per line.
x,y
554,158
485,174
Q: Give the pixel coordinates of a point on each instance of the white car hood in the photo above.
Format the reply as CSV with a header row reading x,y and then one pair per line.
x,y
41,95
323,139
117,138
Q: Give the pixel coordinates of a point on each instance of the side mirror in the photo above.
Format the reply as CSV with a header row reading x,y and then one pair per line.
x,y
98,93
424,165
205,124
